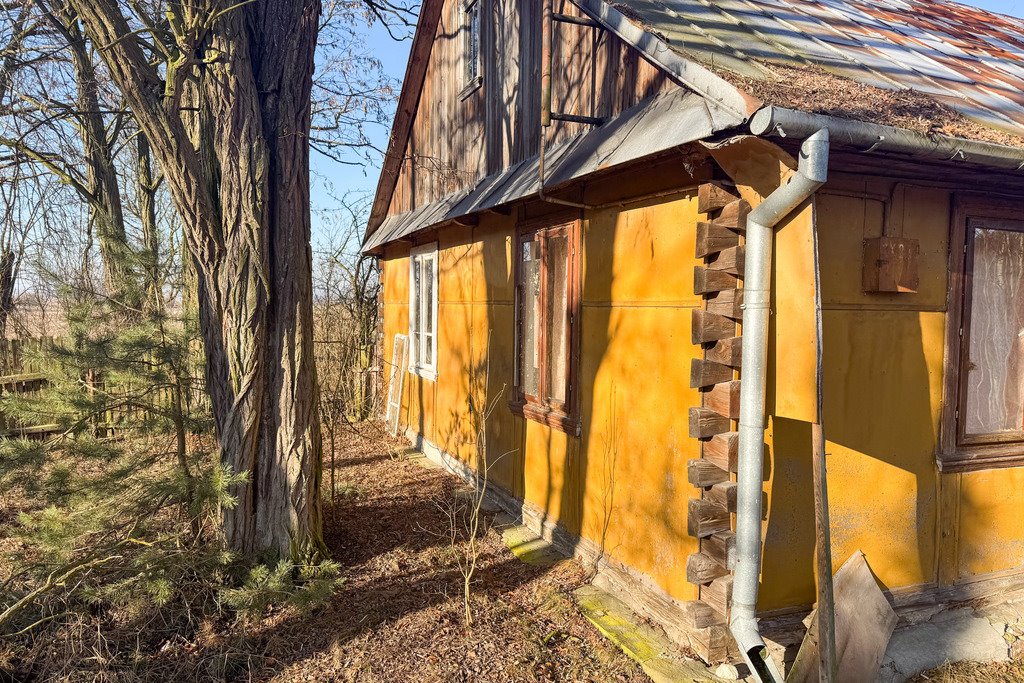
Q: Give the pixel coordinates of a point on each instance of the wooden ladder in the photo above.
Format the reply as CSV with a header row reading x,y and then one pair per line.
x,y
716,374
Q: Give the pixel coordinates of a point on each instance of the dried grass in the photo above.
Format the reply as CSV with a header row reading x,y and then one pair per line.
x,y
816,91
398,617
970,672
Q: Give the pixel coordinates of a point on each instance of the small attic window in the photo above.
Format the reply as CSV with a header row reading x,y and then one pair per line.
x,y
471,47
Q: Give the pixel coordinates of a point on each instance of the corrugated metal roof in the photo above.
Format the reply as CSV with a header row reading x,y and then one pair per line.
x,y
967,58
651,127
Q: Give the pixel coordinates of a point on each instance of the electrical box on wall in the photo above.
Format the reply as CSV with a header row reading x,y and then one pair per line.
x,y
891,265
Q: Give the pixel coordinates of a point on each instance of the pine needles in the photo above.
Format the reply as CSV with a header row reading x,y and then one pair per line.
x,y
124,492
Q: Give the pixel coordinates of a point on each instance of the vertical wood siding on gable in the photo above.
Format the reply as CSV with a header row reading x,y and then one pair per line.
x,y
456,141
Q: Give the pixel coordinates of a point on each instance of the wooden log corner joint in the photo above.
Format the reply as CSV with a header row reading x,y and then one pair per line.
x,y
714,372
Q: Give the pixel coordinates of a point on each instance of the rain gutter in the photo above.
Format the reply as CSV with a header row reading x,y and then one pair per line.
x,y
873,137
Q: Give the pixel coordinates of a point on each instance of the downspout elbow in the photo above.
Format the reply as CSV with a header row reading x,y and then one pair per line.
x,y
811,173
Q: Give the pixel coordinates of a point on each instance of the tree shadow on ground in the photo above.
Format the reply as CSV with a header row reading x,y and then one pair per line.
x,y
401,599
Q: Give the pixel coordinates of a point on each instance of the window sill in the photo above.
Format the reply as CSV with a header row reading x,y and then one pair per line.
x,y
471,87
556,419
989,458
429,374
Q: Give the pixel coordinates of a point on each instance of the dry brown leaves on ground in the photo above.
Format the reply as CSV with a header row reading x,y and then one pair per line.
x,y
397,617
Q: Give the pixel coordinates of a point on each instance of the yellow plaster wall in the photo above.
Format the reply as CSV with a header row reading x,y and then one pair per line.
x,y
622,483
884,364
991,528
637,308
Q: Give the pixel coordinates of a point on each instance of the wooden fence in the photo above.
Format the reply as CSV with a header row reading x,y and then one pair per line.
x,y
22,373
20,356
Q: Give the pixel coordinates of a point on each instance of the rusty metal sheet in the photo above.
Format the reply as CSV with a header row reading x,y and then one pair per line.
x,y
969,58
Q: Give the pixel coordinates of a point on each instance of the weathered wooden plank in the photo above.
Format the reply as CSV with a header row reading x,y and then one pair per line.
x,y
708,327
712,238
724,398
715,643
713,196
733,215
722,449
726,351
718,594
706,281
705,517
949,527
706,423
728,302
469,133
704,474
723,493
730,260
864,624
703,569
721,547
704,373
697,614
890,264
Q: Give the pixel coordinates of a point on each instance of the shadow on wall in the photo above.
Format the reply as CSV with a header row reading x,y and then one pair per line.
x,y
632,494
878,409
880,431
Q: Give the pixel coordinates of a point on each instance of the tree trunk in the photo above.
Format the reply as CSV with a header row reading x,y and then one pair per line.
x,y
291,428
12,235
152,282
11,50
244,203
106,210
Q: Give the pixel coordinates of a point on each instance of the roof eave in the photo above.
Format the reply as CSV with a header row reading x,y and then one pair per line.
x,y
408,102
717,91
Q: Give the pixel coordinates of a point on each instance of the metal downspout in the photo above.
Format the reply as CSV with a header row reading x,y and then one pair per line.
x,y
811,173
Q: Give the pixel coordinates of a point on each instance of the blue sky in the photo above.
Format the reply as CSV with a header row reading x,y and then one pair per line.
x,y
331,178
1015,8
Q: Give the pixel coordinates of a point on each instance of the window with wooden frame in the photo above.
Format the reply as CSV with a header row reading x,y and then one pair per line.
x,y
423,311
471,47
983,407
547,321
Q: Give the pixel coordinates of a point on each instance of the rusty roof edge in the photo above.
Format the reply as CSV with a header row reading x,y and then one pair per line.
x,y
689,73
873,137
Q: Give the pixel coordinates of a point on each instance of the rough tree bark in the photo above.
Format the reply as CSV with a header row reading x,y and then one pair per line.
x,y
245,206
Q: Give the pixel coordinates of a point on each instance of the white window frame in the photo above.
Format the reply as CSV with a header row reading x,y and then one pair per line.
x,y
418,341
